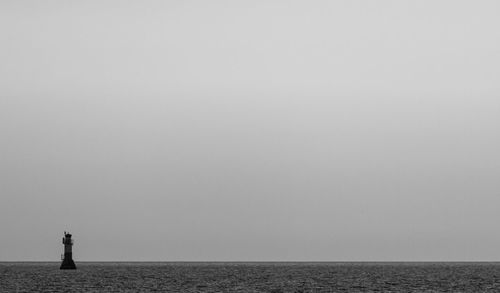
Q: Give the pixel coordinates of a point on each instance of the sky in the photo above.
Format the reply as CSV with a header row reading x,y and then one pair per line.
x,y
250,130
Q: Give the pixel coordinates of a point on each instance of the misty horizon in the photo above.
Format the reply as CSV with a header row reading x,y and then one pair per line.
x,y
250,131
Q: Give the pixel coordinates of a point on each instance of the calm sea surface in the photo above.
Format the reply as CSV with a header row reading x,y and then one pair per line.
x,y
251,277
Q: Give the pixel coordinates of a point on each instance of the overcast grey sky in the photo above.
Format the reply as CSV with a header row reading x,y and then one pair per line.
x,y
250,130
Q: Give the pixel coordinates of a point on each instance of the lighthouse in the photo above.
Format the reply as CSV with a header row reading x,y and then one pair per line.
x,y
67,259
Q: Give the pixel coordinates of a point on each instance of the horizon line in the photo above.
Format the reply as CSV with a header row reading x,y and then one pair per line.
x,y
256,261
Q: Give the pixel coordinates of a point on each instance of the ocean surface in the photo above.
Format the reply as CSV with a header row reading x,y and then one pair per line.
x,y
251,277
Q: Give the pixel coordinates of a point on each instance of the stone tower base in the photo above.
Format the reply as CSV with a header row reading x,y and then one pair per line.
x,y
68,263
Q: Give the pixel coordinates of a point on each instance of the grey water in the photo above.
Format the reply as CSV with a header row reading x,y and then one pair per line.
x,y
251,277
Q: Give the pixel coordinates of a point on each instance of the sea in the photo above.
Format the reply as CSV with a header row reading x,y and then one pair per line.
x,y
250,277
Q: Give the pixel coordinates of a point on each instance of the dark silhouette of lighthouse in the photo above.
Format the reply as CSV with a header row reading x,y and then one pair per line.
x,y
67,260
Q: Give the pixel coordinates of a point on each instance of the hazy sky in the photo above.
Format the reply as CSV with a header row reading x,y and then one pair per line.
x,y
250,130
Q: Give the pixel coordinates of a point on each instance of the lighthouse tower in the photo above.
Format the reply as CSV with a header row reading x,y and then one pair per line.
x,y
67,259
